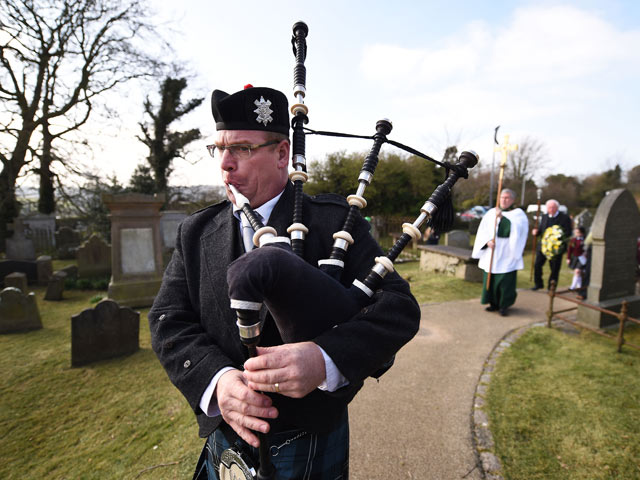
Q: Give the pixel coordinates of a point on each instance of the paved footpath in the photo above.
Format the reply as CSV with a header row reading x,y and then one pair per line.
x,y
415,423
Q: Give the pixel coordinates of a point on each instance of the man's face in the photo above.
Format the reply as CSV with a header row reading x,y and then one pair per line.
x,y
552,208
506,200
261,176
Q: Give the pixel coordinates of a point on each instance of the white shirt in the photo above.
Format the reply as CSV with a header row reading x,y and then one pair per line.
x,y
334,378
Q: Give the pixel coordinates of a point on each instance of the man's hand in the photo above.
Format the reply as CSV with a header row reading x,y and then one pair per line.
x,y
491,244
242,408
534,232
498,212
297,368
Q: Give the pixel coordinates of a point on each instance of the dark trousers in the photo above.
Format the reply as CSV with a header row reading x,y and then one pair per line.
x,y
554,265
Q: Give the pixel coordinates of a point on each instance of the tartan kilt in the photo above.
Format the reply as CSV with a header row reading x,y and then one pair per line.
x,y
294,453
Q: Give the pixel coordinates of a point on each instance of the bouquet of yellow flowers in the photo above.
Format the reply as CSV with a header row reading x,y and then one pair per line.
x,y
552,242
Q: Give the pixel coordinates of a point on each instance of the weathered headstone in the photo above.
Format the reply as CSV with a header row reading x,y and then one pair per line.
x,y
136,258
44,266
26,267
71,271
94,258
615,231
18,311
453,261
457,238
17,280
55,287
169,222
42,228
19,246
106,331
583,219
67,241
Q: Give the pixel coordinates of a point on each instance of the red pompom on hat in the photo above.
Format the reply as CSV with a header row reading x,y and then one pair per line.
x,y
248,85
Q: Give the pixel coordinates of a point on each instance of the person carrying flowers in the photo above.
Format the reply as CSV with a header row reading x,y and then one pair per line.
x,y
555,229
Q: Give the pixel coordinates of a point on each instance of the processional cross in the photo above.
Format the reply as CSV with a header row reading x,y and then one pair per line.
x,y
504,149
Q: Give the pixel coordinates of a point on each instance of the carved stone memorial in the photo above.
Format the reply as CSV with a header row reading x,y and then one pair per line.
x,y
17,280
18,311
94,258
453,261
19,246
615,231
67,241
44,266
106,331
55,287
457,238
136,255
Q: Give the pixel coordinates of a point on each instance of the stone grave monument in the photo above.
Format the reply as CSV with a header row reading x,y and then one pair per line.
x,y
615,231
448,260
583,219
30,269
42,228
18,311
44,267
67,240
136,248
55,287
105,331
169,222
94,258
17,280
20,246
458,238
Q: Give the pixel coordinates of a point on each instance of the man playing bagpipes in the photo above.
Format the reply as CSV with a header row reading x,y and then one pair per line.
x,y
293,394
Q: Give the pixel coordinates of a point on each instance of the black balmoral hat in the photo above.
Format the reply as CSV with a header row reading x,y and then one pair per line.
x,y
254,108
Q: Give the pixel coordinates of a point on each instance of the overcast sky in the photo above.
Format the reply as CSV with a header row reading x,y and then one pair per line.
x,y
565,73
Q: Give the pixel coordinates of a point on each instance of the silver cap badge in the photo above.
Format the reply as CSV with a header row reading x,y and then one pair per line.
x,y
263,111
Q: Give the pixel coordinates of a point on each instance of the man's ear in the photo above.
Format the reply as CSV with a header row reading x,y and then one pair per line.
x,y
283,154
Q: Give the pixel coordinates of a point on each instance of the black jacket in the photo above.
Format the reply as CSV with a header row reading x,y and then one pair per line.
x,y
561,219
193,328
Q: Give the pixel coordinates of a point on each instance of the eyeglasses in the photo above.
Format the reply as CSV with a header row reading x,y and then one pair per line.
x,y
239,151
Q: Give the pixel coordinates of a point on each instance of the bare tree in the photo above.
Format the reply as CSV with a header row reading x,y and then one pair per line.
x,y
57,57
530,159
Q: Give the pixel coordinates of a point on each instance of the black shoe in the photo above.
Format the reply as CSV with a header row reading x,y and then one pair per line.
x,y
535,288
491,308
503,312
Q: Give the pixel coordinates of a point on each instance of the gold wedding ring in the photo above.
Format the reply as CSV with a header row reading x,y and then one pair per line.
x,y
277,387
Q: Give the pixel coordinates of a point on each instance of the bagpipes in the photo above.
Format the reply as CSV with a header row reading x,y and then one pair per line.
x,y
264,275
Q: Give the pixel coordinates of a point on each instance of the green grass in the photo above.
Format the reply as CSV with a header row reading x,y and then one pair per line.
x,y
112,419
566,407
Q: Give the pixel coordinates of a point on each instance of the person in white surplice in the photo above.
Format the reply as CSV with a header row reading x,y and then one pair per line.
x,y
510,233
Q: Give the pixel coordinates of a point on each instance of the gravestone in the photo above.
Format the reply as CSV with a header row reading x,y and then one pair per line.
x,y
42,228
17,280
67,241
458,238
71,271
94,258
615,230
169,222
44,267
19,246
55,287
136,255
18,311
453,261
30,269
583,219
106,331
